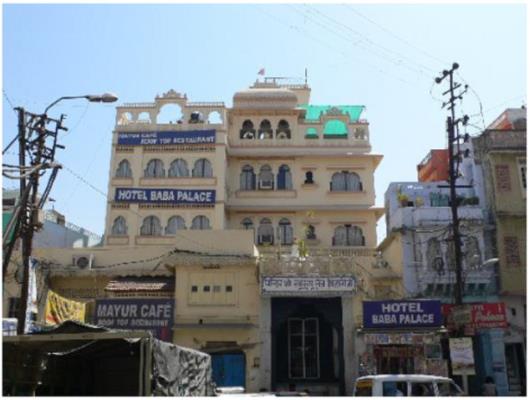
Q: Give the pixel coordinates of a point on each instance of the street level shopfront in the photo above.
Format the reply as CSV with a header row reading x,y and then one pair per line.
x,y
486,324
304,323
401,337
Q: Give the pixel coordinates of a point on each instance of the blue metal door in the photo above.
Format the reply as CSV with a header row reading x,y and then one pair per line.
x,y
228,370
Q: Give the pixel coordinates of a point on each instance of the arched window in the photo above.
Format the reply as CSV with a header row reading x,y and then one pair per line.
x,y
151,226
178,169
472,256
200,222
309,178
247,179
265,232
283,131
345,181
202,169
119,227
265,130
348,235
124,170
247,223
174,224
169,114
310,233
285,181
286,231
434,256
266,178
247,130
155,169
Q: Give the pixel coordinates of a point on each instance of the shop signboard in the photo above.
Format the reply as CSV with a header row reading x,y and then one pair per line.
x,y
164,196
154,315
479,316
461,353
402,314
166,138
290,285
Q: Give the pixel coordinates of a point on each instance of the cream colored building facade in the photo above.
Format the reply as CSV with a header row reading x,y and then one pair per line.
x,y
263,216
298,178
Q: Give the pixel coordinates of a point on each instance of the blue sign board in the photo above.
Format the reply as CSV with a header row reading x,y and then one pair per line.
x,y
402,314
164,196
154,315
153,138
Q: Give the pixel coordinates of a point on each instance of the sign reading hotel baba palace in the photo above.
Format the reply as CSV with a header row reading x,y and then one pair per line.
x,y
166,138
402,314
164,196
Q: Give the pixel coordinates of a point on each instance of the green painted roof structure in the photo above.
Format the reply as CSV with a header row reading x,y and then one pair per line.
x,y
311,132
313,112
335,127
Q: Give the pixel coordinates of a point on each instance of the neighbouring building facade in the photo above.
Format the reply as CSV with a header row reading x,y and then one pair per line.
x,y
491,195
500,151
434,167
56,232
249,231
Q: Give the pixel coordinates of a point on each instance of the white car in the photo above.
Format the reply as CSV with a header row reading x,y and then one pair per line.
x,y
405,385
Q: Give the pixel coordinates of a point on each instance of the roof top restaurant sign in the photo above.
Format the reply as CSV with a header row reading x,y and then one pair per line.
x,y
154,138
402,314
164,196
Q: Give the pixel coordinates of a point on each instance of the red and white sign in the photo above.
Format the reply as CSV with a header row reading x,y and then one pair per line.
x,y
485,315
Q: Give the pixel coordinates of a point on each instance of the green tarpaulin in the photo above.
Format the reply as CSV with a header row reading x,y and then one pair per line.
x,y
313,111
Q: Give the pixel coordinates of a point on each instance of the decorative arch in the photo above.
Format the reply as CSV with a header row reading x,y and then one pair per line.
x,y
119,226
348,235
284,178
200,222
124,169
215,117
247,178
178,169
174,224
286,231
266,177
265,232
283,130
346,181
247,130
155,169
265,130
170,114
202,168
151,226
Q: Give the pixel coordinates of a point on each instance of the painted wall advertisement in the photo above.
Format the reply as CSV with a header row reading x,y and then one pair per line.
x,y
154,138
164,196
478,316
402,314
461,353
155,315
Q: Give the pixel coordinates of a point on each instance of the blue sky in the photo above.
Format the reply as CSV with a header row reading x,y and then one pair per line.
x,y
382,56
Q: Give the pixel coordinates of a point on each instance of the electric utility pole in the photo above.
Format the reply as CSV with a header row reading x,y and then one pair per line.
x,y
38,143
454,160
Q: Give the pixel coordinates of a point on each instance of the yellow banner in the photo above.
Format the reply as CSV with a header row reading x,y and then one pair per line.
x,y
60,309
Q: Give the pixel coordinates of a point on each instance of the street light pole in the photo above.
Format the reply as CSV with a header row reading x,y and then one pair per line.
x,y
29,204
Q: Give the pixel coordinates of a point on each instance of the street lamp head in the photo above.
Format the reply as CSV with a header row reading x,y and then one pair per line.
x,y
103,98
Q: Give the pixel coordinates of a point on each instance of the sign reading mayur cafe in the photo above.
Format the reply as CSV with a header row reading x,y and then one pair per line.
x,y
164,196
154,138
402,314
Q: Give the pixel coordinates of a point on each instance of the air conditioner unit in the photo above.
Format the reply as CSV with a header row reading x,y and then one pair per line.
x,y
83,261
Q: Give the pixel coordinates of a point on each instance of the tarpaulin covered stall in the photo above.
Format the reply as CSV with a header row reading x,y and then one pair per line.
x,y
75,359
